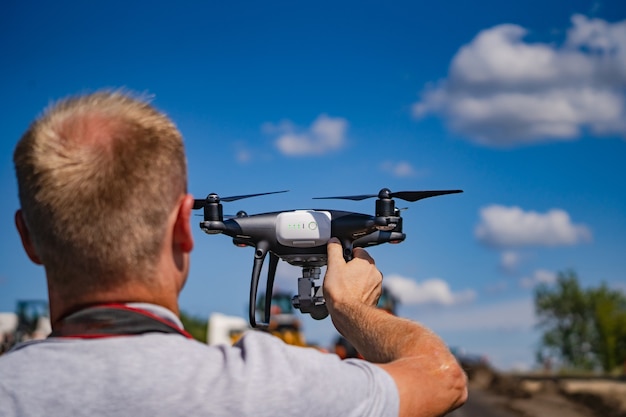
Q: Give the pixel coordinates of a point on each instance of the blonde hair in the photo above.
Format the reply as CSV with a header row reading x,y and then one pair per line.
x,y
98,176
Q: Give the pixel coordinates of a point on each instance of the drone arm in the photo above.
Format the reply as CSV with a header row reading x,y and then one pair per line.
x,y
378,237
229,227
348,227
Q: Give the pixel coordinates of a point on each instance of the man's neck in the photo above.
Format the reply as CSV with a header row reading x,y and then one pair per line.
x,y
63,303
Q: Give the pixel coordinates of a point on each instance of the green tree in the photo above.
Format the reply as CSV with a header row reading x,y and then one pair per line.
x,y
609,319
585,329
564,315
195,326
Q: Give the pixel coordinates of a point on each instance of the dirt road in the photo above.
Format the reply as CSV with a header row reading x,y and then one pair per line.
x,y
484,404
520,396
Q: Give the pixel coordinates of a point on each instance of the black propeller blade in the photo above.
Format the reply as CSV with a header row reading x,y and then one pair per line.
x,y
240,197
347,197
200,203
418,195
402,195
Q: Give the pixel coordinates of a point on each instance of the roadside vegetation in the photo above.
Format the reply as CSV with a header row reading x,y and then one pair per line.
x,y
195,326
584,329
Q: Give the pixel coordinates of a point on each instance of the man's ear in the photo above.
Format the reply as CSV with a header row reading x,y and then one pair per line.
x,y
183,236
27,242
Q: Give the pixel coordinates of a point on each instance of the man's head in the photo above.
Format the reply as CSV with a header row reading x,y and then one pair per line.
x,y
99,177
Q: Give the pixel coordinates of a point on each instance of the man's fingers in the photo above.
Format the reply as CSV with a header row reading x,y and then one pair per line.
x,y
334,250
362,254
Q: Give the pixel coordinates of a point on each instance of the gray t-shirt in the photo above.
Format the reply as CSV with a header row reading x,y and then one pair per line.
x,y
157,374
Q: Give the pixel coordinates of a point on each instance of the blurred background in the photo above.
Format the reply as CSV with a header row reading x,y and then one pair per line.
x,y
520,104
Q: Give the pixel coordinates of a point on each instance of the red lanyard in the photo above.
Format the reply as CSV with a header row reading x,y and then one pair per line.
x,y
110,320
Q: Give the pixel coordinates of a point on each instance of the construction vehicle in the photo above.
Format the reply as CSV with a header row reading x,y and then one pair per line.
x,y
283,323
225,329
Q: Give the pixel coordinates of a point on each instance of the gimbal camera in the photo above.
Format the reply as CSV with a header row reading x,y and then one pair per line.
x,y
299,237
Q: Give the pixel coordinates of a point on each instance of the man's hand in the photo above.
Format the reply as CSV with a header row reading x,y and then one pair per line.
x,y
429,379
352,284
351,291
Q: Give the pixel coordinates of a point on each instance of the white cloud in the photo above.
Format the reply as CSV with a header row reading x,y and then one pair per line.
x,y
497,287
401,169
540,276
507,315
243,154
502,91
326,134
431,291
507,227
510,260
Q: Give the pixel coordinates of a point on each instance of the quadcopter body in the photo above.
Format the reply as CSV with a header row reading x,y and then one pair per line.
x,y
299,237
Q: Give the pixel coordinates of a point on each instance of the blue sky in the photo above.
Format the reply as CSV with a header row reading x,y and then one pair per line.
x,y
520,104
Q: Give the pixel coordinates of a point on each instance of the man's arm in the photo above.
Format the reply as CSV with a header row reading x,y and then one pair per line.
x,y
429,379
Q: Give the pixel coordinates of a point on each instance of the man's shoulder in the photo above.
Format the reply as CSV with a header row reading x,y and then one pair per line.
x,y
259,369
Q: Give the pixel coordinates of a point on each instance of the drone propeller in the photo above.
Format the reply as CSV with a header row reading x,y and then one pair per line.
x,y
402,195
240,197
200,203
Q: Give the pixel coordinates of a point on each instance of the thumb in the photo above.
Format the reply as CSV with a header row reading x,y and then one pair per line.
x,y
335,252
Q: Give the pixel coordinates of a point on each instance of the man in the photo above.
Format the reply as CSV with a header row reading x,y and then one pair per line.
x,y
104,208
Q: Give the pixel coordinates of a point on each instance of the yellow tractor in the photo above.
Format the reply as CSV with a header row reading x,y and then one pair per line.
x,y
283,321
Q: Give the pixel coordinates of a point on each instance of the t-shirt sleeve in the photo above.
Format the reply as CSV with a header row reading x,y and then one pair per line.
x,y
307,382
